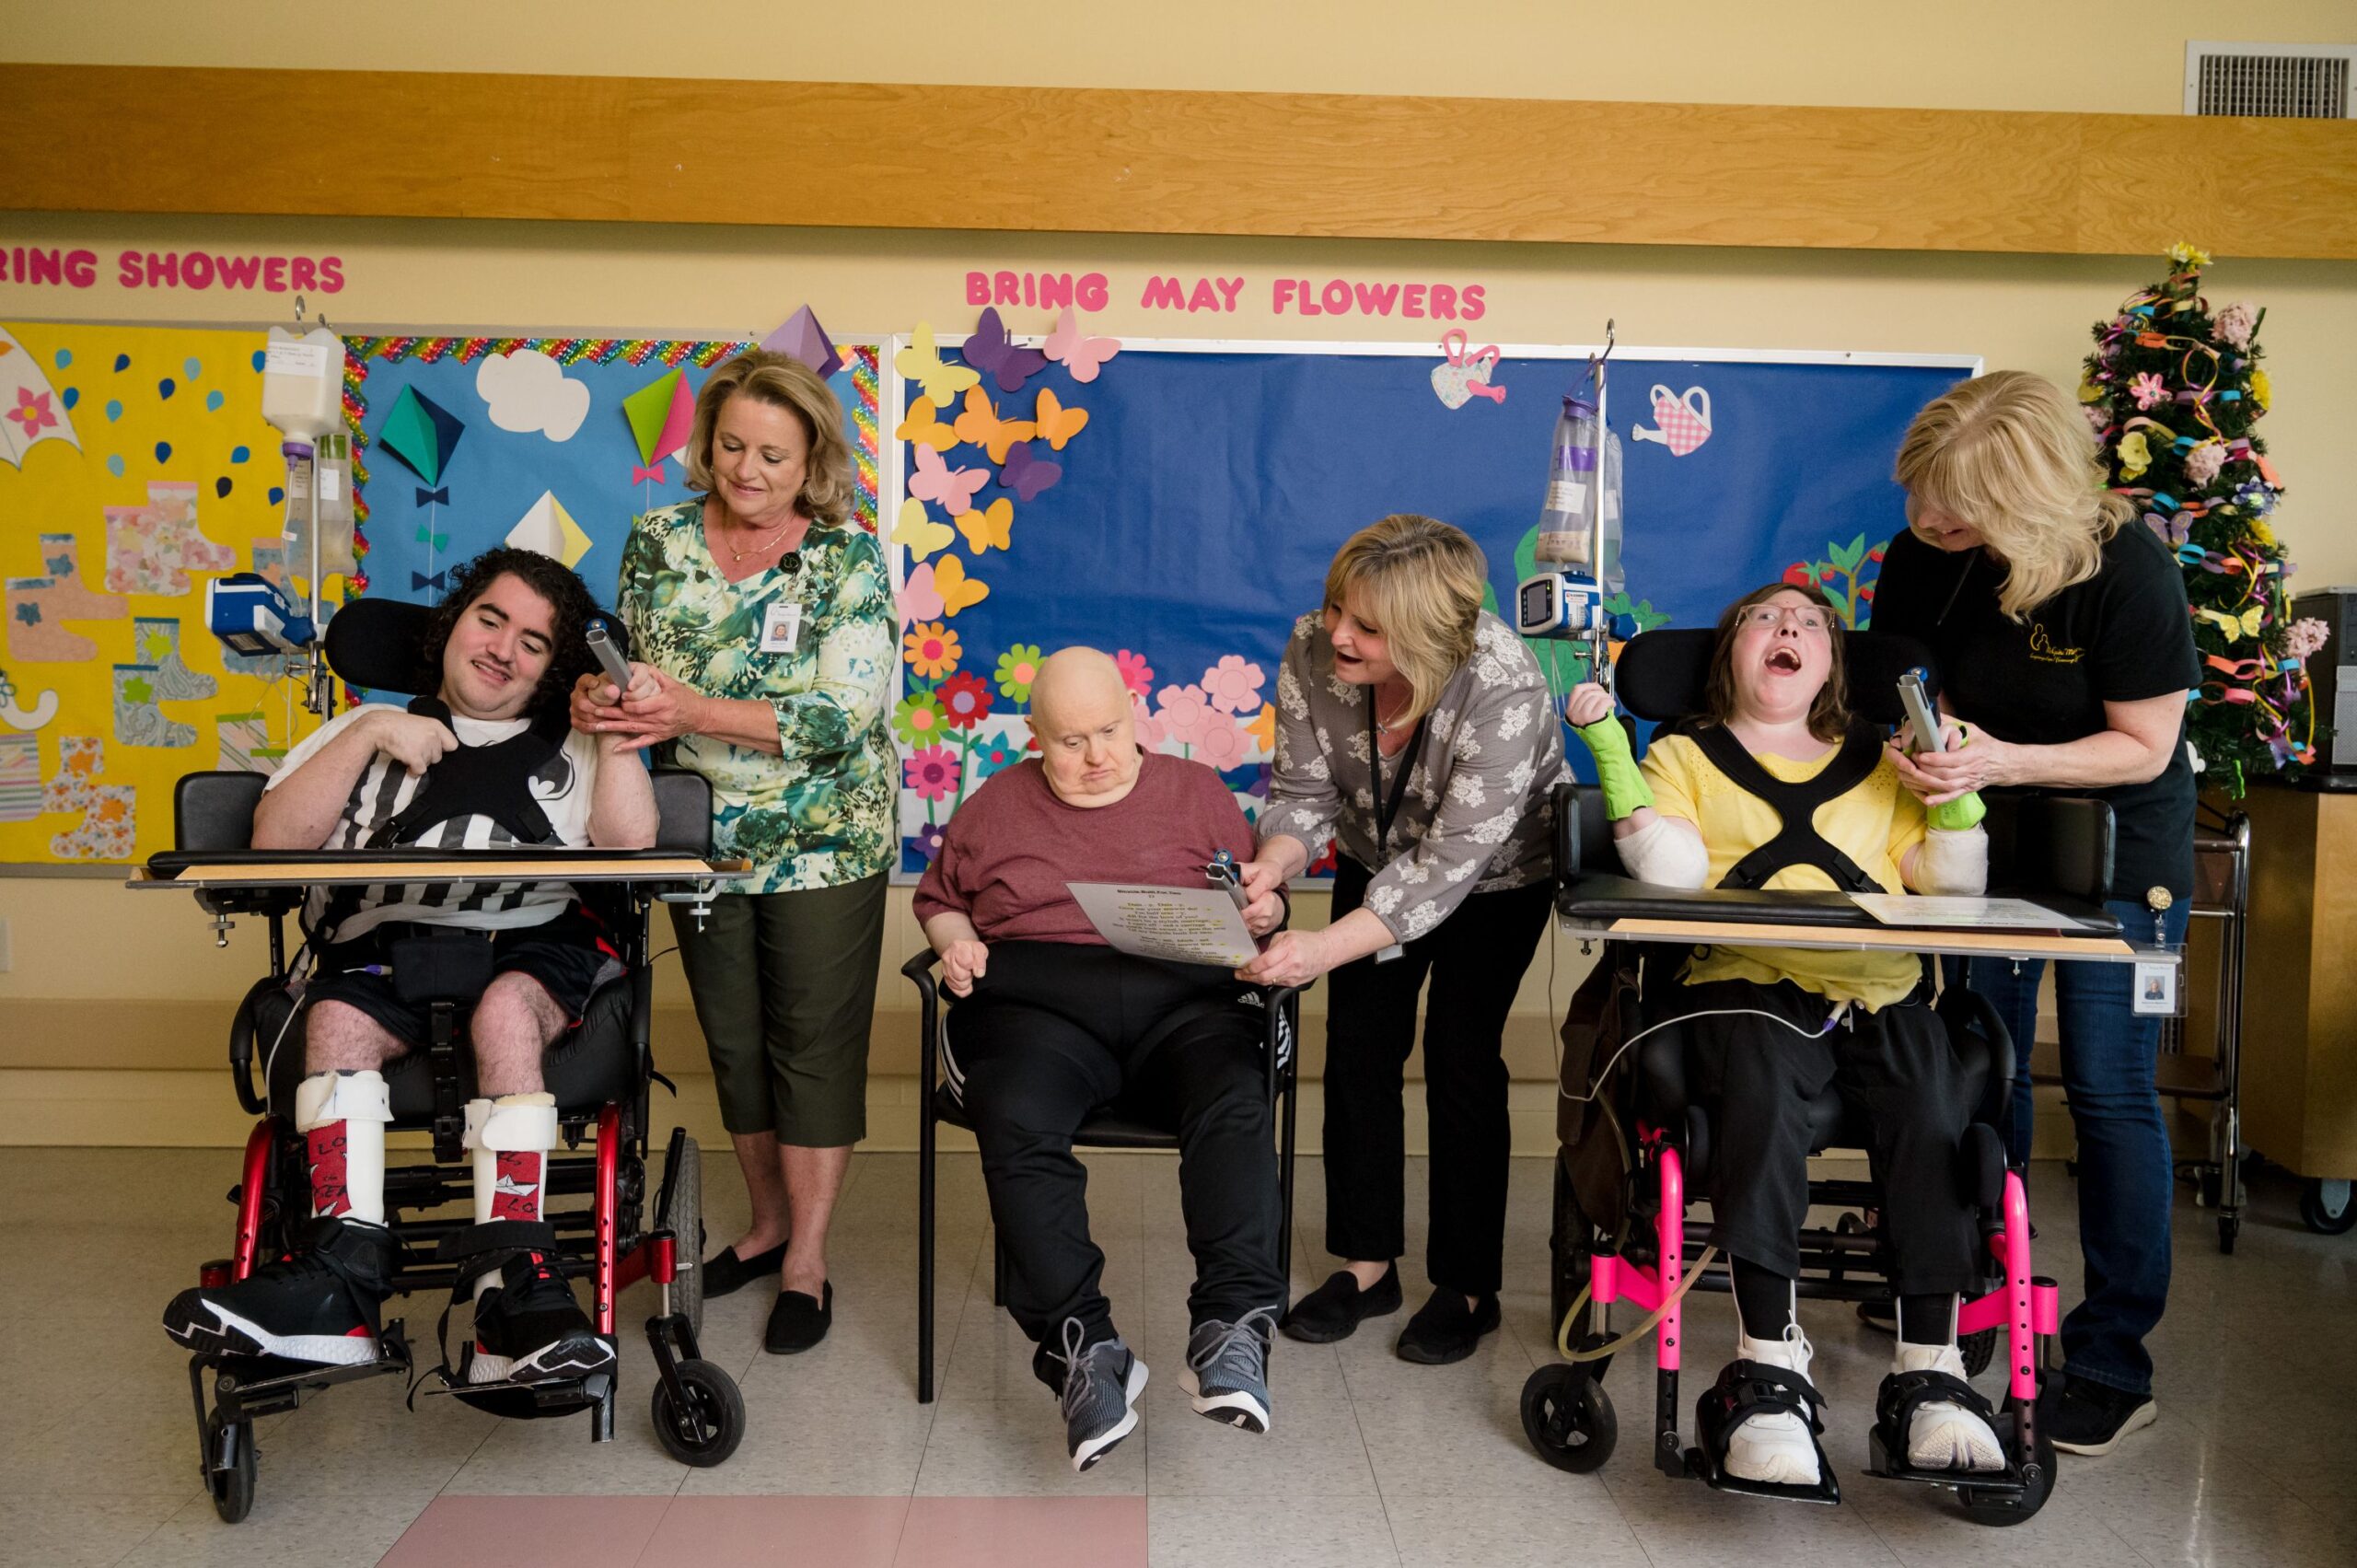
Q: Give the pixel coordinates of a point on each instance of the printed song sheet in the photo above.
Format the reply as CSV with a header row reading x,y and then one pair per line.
x,y
1188,925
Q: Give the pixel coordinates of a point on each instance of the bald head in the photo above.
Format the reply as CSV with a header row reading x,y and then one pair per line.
x,y
1086,728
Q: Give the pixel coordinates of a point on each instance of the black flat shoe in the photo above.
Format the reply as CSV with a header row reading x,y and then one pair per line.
x,y
797,1321
1335,1308
1444,1330
727,1271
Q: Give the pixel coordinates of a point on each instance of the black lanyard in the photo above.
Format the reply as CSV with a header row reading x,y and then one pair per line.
x,y
1387,806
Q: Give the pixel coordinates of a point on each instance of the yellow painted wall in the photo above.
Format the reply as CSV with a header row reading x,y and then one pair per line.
x,y
82,945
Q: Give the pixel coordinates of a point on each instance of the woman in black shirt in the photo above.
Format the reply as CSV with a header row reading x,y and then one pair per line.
x,y
2065,645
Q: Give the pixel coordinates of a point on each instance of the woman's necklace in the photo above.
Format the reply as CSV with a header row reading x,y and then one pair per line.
x,y
1391,726
738,557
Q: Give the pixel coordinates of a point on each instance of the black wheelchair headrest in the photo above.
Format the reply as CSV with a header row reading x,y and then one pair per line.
x,y
379,644
1661,675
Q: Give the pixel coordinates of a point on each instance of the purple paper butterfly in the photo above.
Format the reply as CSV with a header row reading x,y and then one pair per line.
x,y
990,351
1027,475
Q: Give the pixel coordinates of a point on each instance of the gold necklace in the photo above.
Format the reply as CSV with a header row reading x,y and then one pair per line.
x,y
1388,728
737,555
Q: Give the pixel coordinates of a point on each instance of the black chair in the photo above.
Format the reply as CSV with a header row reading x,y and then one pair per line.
x,y
1103,1130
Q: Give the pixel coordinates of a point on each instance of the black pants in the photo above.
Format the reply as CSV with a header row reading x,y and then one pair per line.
x,y
1056,1030
1897,1073
1475,959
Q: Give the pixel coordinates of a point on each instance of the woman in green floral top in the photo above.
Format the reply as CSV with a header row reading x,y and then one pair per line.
x,y
765,623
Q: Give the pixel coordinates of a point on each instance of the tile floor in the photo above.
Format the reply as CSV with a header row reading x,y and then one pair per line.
x,y
1372,1461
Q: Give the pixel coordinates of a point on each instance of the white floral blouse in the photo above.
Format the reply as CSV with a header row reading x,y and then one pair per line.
x,y
1475,817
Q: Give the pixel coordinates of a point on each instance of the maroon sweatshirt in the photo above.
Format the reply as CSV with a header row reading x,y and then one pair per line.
x,y
1007,854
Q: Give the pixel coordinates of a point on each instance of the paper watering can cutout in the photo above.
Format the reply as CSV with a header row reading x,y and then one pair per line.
x,y
1684,423
1462,376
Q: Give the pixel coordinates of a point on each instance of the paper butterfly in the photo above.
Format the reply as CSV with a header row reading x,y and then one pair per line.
x,y
991,351
1027,475
921,361
941,588
1057,423
1076,352
981,425
988,528
917,530
953,488
2235,627
923,427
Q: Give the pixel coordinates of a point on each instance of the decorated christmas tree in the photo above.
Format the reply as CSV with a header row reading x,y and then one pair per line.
x,y
2173,390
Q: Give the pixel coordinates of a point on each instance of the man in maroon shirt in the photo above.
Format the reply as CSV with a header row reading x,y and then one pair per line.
x,y
1051,1024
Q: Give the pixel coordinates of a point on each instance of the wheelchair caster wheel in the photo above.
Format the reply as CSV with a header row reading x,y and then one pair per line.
x,y
229,1467
1568,1419
2000,1512
2326,1208
706,1428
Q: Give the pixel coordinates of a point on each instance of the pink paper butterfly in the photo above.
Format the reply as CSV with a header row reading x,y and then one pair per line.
x,y
1027,475
1076,352
936,480
992,352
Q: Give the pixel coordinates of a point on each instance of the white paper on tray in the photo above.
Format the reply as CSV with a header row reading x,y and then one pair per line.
x,y
1962,913
1188,925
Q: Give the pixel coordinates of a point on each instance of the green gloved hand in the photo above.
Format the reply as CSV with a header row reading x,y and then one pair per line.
x,y
1625,790
1957,816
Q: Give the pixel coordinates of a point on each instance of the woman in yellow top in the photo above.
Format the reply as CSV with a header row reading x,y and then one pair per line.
x,y
1772,1027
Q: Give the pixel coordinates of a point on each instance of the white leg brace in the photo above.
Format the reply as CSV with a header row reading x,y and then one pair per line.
x,y
1955,864
363,1105
1666,852
510,1125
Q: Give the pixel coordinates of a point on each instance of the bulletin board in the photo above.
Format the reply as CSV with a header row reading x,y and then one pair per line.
x,y
134,464
1201,489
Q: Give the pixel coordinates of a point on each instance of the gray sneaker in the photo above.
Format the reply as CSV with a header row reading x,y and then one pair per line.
x,y
1100,1394
1227,1369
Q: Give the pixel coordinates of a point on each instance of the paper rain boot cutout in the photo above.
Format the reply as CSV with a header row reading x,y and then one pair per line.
x,y
61,559
73,786
245,744
109,829
19,777
34,634
156,640
137,720
152,548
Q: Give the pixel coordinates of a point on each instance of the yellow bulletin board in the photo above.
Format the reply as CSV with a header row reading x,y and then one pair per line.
x,y
134,465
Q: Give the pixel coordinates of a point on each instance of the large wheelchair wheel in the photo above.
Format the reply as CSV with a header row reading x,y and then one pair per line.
x,y
682,1216
1569,1419
703,1429
229,1467
1986,1508
1978,1350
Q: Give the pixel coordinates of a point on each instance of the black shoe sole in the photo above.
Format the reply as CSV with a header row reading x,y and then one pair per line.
x,y
1318,1333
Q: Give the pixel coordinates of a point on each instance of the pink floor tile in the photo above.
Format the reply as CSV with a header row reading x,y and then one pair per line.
x,y
529,1532
807,1532
1024,1532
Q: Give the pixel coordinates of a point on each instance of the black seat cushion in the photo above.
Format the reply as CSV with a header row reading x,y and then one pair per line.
x,y
587,1068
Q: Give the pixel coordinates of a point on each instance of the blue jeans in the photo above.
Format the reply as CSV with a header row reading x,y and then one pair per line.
x,y
2126,1180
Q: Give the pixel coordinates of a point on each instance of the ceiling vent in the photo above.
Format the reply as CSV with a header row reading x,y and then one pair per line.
x,y
2307,81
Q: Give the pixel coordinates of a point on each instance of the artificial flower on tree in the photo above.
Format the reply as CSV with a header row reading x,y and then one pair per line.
x,y
2173,390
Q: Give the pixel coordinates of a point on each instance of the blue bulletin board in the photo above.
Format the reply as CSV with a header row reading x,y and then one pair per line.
x,y
1199,502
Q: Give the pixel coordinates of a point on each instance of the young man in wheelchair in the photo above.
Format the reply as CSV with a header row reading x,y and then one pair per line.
x,y
1775,785
1051,1024
491,760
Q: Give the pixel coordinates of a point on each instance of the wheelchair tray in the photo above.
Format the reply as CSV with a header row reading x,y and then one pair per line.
x,y
1605,906
201,870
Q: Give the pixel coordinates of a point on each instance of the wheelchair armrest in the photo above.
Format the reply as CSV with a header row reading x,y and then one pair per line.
x,y
1963,1009
2051,843
1584,845
683,806
214,812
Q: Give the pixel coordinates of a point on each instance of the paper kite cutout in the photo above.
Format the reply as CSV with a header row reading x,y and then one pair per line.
x,y
549,528
1077,351
1027,475
920,361
30,412
802,338
662,415
421,433
991,351
918,531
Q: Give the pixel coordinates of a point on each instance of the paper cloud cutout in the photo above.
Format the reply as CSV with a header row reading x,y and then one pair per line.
x,y
527,391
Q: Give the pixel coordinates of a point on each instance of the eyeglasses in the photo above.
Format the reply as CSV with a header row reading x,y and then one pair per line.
x,y
1768,617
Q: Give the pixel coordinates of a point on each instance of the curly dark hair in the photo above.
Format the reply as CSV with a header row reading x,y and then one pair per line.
x,y
569,659
1829,716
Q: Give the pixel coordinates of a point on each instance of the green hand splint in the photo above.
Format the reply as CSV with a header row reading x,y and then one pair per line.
x,y
1957,816
1625,790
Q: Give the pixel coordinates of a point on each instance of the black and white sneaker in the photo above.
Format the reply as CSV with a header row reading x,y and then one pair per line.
x,y
529,1328
319,1304
1102,1383
1227,1369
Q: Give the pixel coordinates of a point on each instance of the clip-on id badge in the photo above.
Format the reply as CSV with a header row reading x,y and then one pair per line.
x,y
781,623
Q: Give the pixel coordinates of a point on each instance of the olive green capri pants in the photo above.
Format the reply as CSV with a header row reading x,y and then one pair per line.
x,y
784,986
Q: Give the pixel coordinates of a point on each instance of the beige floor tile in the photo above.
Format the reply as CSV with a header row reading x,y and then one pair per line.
x,y
1015,1448
1298,1530
286,1533
1572,1522
1313,1448
81,1532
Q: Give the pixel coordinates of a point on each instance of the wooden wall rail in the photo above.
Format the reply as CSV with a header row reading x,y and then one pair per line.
x,y
630,149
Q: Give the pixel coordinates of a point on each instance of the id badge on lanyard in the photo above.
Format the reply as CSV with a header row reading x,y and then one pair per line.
x,y
781,623
1386,805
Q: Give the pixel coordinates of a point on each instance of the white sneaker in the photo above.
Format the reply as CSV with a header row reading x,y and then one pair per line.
x,y
1775,1448
1942,1436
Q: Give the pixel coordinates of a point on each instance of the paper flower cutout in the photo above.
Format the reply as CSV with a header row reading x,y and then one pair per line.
x,y
31,411
1018,668
918,720
1234,685
2236,324
932,650
931,772
2148,389
965,700
2135,457
2202,463
1136,674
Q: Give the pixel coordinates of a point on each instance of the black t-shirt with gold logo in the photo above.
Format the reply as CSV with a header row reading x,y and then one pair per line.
x,y
2123,635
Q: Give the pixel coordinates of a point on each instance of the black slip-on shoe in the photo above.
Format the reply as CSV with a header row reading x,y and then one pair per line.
x,y
727,1271
798,1321
1444,1329
1335,1308
2083,1417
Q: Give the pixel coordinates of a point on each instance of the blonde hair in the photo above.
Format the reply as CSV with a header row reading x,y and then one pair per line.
x,y
783,382
1423,583
2010,456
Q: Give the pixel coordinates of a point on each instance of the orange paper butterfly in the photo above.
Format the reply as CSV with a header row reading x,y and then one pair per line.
x,y
981,425
987,529
1057,423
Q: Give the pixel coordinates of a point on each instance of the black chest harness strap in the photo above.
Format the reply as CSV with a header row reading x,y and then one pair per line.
x,y
493,781
1798,841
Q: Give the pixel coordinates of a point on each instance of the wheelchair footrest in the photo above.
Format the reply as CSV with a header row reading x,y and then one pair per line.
x,y
2004,1485
247,1385
530,1401
1827,1491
